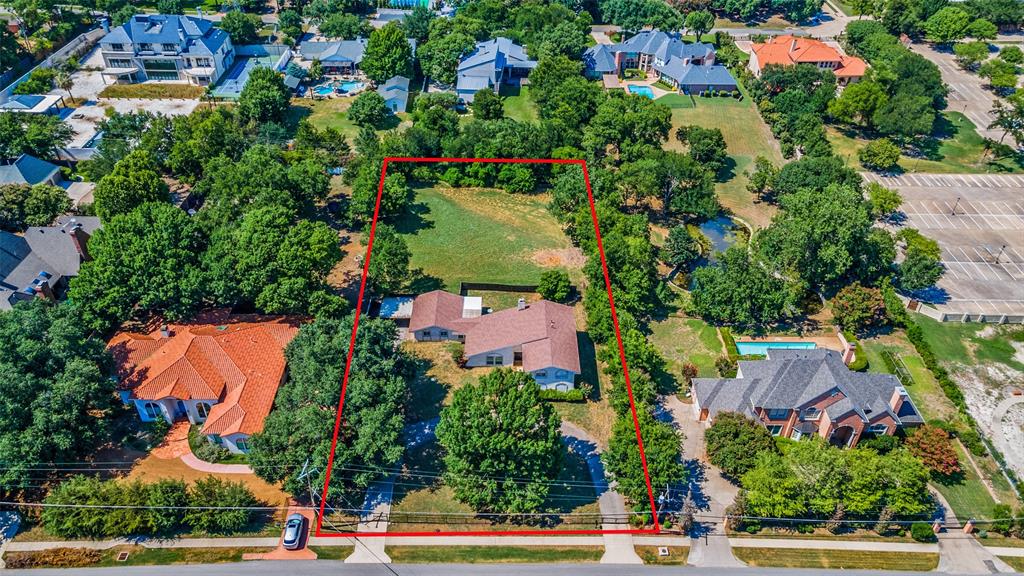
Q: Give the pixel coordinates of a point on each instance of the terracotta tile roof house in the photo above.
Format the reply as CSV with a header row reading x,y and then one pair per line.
x,y
791,50
539,337
221,372
797,393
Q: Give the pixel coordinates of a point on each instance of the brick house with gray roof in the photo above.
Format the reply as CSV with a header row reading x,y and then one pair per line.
x,y
799,393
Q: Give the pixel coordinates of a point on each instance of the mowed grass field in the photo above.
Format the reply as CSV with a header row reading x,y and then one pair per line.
x,y
333,113
494,554
960,151
746,137
836,559
681,340
484,235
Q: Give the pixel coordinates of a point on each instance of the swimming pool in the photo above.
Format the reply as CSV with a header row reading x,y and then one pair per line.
x,y
346,87
642,90
761,348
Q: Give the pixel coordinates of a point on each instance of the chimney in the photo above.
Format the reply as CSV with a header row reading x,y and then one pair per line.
x,y
105,23
521,304
81,239
792,44
42,288
165,331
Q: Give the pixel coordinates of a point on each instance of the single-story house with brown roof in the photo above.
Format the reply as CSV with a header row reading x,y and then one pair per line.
x,y
221,372
539,337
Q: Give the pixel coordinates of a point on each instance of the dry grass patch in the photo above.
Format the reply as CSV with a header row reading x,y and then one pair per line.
x,y
836,559
153,91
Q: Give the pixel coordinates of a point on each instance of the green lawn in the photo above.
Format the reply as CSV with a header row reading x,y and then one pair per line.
x,y
137,556
682,340
962,344
333,113
746,137
493,554
155,90
836,559
960,150
677,555
1016,562
484,235
518,105
924,391
967,495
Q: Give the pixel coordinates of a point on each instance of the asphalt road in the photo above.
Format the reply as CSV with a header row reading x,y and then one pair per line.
x,y
335,568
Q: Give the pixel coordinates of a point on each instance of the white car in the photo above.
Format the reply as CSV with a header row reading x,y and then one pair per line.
x,y
293,530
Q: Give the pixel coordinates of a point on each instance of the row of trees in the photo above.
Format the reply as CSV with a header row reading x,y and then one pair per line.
x,y
87,507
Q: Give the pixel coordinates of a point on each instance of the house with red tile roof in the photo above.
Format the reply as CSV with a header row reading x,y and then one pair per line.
x,y
791,50
539,337
221,372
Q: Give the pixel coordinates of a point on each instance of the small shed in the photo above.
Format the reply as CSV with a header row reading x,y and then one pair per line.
x,y
395,93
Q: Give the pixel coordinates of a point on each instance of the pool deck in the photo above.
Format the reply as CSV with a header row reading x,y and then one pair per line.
x,y
831,342
648,83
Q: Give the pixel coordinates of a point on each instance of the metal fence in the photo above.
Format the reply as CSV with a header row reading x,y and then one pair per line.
x,y
76,47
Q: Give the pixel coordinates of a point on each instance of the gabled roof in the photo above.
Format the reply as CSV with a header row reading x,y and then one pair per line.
x,y
788,50
335,51
436,308
494,56
790,379
42,249
27,170
237,365
600,58
663,45
690,74
197,35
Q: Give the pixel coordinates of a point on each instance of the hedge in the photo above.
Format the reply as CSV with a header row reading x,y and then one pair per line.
x,y
574,395
730,342
860,361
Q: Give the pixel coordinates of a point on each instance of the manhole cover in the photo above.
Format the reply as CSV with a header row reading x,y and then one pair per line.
x,y
122,556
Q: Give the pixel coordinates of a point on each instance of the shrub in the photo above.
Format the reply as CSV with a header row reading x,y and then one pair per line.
x,y
726,367
457,350
1002,519
734,442
730,342
972,440
554,285
574,395
880,154
881,444
210,452
922,532
214,492
369,109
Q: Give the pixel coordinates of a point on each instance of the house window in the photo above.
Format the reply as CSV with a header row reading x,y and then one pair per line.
x,y
216,439
120,63
775,430
117,47
562,374
144,46
169,47
795,435
811,413
878,429
203,409
494,360
152,410
778,414
243,445
444,333
540,374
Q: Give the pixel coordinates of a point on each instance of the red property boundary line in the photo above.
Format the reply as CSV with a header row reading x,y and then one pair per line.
x,y
618,337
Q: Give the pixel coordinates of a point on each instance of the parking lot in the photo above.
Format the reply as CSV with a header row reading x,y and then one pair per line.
x,y
978,221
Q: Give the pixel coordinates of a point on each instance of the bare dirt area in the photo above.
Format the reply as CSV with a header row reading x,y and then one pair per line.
x,y
348,273
572,258
985,386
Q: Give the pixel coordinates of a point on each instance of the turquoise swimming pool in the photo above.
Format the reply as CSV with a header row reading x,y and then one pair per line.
x,y
337,87
642,90
761,348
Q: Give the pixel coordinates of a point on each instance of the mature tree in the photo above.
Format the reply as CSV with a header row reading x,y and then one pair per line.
x,y
1010,119
565,38
440,56
40,81
487,105
1012,54
387,54
389,261
819,236
906,116
858,102
684,185
626,125
935,449
291,23
947,25
1001,75
699,22
264,98
144,261
866,478
814,173
734,442
37,134
369,109
970,54
880,155
884,202
704,145
299,429
772,489
681,247
393,200
241,27
22,206
416,23
982,29
633,15
1002,13
761,180
57,390
741,291
906,485
236,499
662,447
502,444
918,270
857,307
134,181
271,259
345,26
554,285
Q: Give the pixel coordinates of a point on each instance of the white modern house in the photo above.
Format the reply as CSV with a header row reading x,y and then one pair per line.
x,y
166,47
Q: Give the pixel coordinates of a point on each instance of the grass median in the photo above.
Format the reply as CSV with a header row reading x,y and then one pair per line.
x,y
836,559
493,554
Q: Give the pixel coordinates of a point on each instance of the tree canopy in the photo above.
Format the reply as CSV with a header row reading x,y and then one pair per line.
x,y
387,54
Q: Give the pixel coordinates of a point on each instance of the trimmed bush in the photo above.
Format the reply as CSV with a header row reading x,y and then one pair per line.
x,y
574,395
922,532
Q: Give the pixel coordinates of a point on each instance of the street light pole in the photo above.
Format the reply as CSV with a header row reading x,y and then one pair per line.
x,y
955,206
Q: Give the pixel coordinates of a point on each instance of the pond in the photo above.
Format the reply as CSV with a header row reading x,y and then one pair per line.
x,y
721,232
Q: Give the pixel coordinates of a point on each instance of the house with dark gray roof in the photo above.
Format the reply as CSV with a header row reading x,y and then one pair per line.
x,y
644,51
166,47
39,263
694,78
489,65
31,171
804,393
339,56
395,93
